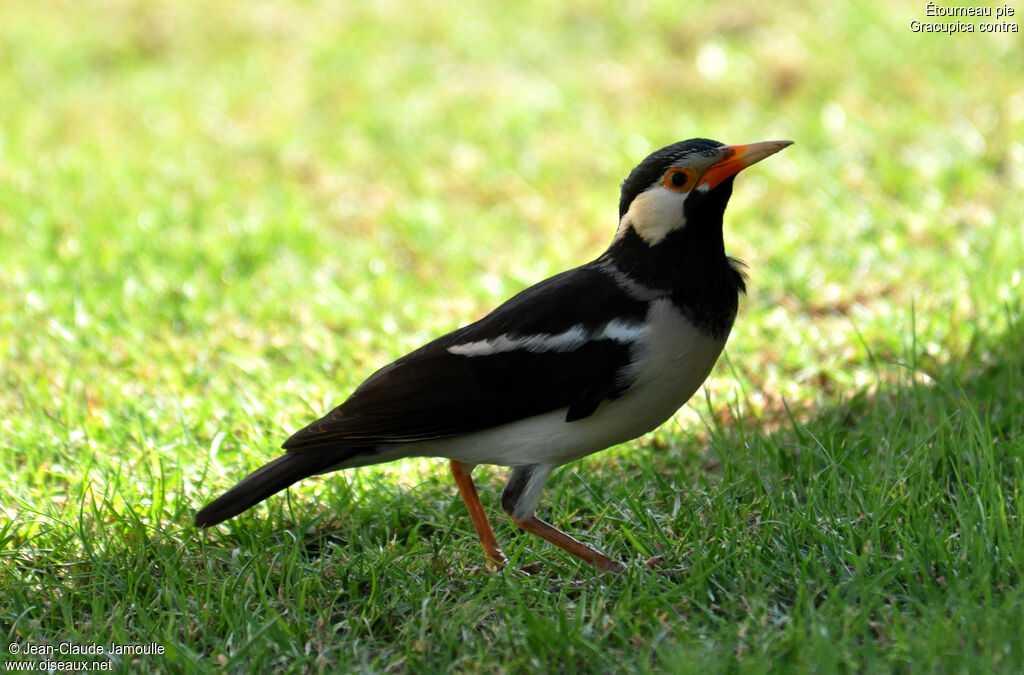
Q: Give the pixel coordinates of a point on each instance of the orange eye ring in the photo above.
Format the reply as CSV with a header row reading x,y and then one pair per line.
x,y
680,180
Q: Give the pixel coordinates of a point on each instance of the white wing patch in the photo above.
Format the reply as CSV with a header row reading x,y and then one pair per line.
x,y
621,332
671,361
566,341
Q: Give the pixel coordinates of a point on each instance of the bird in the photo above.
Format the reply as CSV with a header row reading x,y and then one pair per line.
x,y
590,358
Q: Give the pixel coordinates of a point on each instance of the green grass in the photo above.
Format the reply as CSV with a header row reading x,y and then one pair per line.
x,y
217,218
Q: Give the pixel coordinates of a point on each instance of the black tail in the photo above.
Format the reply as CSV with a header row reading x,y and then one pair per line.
x,y
265,481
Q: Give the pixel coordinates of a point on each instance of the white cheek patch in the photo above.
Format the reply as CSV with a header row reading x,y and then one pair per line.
x,y
566,341
654,214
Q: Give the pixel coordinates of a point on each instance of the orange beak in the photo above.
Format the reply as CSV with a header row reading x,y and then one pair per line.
x,y
737,158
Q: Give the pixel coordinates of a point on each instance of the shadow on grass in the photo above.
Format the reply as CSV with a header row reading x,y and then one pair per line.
x,y
930,438
887,524
890,523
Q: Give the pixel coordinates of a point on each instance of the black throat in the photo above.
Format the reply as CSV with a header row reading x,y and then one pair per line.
x,y
688,265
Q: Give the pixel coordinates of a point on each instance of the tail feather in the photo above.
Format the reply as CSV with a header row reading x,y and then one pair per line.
x,y
265,481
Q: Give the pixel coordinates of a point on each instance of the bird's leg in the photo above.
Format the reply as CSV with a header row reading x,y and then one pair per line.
x,y
566,542
519,500
463,478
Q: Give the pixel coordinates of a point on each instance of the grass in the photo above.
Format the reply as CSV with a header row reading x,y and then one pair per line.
x,y
216,219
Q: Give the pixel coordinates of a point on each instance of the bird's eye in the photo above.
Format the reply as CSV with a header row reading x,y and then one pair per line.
x,y
677,179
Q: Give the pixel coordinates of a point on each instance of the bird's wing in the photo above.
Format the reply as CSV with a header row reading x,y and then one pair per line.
x,y
563,343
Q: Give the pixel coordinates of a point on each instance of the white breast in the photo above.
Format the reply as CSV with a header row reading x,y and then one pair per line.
x,y
671,360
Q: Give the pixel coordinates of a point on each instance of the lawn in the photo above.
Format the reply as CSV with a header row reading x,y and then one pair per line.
x,y
216,219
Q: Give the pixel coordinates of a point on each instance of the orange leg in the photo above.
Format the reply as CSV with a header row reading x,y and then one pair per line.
x,y
562,540
463,478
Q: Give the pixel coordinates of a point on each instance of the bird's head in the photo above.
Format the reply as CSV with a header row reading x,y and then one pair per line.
x,y
684,184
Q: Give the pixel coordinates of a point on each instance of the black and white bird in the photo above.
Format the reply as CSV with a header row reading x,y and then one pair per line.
x,y
589,358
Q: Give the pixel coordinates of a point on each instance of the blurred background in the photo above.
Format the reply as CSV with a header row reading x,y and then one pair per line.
x,y
217,218
322,182
211,208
